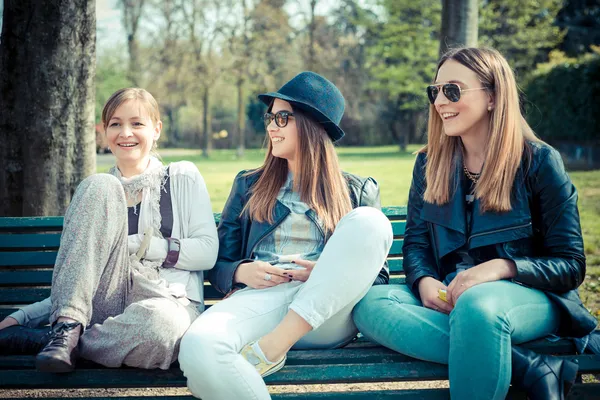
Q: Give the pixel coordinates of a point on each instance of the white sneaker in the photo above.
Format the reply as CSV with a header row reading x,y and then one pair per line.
x,y
254,355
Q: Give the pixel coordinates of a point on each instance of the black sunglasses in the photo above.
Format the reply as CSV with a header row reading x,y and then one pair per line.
x,y
280,117
451,90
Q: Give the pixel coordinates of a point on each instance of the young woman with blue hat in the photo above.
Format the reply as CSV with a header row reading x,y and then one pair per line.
x,y
297,250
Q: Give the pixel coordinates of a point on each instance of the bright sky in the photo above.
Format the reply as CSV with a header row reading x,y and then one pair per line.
x,y
110,32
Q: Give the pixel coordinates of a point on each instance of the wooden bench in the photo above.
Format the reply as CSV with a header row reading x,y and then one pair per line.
x,y
28,248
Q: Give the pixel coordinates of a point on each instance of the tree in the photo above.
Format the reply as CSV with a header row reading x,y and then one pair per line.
x,y
240,46
581,19
523,31
203,34
459,24
47,66
403,63
132,12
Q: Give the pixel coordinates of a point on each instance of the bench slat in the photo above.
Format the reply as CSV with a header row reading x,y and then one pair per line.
x,y
578,392
394,212
56,223
395,264
131,377
425,394
27,223
289,375
32,277
27,258
396,249
398,227
30,240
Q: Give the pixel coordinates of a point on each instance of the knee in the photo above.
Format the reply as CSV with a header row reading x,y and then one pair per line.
x,y
479,306
162,328
371,222
100,181
201,351
378,302
100,185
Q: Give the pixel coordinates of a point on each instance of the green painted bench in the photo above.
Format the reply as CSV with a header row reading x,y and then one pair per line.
x,y
28,248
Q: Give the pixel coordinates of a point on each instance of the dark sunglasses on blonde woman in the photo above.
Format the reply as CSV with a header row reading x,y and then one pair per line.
x,y
451,90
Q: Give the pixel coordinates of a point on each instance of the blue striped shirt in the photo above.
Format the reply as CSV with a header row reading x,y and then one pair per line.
x,y
299,235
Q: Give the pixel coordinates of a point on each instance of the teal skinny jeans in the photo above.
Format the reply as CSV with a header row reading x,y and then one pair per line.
x,y
474,340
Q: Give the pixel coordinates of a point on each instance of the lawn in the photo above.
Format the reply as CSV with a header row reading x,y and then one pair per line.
x,y
392,169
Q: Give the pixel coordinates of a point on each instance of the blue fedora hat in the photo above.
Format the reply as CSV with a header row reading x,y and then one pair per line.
x,y
316,96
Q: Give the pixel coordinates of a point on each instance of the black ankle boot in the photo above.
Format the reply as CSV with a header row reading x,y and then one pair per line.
x,y
21,340
543,377
60,354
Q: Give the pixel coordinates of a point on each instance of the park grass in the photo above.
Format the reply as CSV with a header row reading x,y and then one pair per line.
x,y
393,170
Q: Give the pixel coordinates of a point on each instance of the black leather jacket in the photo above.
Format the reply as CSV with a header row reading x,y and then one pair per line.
x,y
541,234
238,235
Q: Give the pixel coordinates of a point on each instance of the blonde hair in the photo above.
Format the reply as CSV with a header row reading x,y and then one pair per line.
x,y
123,95
507,135
318,179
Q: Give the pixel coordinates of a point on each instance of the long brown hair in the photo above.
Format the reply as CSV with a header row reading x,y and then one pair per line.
x,y
318,178
507,135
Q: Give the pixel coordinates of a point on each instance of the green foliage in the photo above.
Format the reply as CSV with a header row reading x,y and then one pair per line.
x,y
111,75
523,31
566,92
404,57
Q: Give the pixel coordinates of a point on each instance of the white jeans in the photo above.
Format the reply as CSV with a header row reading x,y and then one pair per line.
x,y
209,353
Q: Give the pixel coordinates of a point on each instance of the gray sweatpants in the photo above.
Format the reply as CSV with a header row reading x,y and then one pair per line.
x,y
131,318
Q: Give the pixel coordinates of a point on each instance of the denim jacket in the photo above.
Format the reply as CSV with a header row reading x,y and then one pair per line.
x,y
541,234
238,235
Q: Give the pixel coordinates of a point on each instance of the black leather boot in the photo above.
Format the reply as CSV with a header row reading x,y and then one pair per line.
x,y
543,377
21,340
60,354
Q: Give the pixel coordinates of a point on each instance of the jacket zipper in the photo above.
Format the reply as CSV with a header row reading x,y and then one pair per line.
x,y
498,230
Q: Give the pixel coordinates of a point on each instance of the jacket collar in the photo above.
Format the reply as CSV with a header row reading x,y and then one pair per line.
x,y
488,227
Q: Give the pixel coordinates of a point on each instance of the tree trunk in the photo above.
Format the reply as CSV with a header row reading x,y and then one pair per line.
x,y
459,24
241,119
47,69
133,71
206,123
311,36
132,12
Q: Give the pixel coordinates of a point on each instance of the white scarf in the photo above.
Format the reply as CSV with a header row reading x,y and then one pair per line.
x,y
149,184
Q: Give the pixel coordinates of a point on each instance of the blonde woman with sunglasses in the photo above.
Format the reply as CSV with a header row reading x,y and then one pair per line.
x,y
493,251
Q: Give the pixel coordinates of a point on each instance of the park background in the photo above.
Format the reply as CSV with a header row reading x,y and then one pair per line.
x,y
206,60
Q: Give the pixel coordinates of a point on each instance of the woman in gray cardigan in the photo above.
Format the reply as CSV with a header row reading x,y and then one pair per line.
x,y
128,278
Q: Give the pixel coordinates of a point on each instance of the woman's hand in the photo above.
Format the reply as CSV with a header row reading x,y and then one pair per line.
x,y
428,290
301,274
253,274
133,243
489,271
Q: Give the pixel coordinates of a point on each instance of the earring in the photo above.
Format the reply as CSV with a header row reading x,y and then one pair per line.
x,y
490,108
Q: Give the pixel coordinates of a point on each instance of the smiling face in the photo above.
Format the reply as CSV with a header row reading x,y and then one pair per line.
x,y
131,134
469,116
284,141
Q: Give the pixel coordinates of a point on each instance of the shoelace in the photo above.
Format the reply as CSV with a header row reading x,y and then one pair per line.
x,y
59,334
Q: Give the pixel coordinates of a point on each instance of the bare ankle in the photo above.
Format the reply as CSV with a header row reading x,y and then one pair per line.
x,y
271,349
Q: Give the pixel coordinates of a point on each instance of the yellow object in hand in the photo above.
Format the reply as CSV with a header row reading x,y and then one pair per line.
x,y
442,294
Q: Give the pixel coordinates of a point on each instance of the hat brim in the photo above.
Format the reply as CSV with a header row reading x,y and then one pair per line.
x,y
332,129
